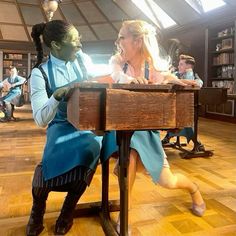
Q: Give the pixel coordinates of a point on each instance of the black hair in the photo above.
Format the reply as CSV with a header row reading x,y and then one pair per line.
x,y
54,30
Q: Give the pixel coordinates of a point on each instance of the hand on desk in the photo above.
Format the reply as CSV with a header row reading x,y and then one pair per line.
x,y
61,92
189,82
139,80
102,79
170,78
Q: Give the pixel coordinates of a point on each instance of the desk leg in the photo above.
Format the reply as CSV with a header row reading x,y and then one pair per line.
x,y
123,138
107,225
104,207
198,148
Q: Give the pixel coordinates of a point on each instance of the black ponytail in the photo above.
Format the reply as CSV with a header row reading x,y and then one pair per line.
x,y
37,31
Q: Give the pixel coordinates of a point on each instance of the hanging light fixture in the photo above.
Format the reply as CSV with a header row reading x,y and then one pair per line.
x,y
50,7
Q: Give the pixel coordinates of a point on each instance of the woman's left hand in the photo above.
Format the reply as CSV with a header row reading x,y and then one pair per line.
x,y
139,80
170,78
61,92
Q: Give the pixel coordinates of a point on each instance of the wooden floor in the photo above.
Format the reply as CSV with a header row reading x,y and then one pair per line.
x,y
155,210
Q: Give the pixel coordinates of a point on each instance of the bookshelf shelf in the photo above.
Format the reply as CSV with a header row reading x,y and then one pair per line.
x,y
220,70
222,37
223,50
221,78
22,60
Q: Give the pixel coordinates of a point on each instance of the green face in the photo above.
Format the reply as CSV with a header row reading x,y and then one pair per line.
x,y
70,45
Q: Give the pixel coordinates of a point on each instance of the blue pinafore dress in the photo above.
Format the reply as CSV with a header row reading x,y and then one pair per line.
x,y
146,143
69,154
14,93
187,132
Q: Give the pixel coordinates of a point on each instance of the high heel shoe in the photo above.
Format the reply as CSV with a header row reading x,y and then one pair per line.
x,y
198,210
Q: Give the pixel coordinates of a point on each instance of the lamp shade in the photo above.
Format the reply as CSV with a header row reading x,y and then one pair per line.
x,y
50,7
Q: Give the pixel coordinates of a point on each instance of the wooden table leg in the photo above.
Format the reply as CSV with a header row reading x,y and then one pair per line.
x,y
104,207
107,225
123,138
198,148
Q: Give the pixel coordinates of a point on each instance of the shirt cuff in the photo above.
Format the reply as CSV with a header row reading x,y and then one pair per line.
x,y
52,102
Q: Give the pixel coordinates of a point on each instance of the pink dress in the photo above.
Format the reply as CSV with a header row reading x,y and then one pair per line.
x,y
146,143
117,64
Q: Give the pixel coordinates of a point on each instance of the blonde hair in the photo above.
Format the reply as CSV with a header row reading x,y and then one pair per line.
x,y
150,48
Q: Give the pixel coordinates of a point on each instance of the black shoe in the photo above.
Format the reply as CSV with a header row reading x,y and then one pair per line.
x,y
35,224
14,118
4,119
65,219
33,228
200,147
165,140
63,225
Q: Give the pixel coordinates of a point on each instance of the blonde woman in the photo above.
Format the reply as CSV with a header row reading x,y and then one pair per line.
x,y
138,61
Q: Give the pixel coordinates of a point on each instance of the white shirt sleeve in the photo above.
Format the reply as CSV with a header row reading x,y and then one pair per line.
x,y
118,74
44,108
198,80
20,81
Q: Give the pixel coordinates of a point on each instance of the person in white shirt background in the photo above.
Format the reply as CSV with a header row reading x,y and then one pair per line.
x,y
186,74
13,85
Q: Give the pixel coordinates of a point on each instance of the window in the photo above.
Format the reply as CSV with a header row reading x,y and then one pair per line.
x,y
154,13
205,5
209,5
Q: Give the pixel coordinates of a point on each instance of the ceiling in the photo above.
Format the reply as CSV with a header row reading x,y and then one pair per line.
x,y
96,20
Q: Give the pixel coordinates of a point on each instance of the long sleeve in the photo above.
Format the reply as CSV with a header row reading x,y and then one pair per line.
x,y
198,80
44,108
20,80
190,75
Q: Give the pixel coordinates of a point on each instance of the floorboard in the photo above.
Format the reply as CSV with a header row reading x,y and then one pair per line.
x,y
155,210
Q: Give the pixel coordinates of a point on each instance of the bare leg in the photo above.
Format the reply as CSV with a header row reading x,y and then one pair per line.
x,y
179,181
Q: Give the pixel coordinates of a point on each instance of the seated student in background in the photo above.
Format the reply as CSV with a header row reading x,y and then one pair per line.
x,y
187,75
13,84
70,156
186,71
138,61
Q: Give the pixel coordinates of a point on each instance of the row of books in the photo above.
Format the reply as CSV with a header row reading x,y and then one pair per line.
x,y
14,56
223,58
226,72
224,84
225,32
21,72
12,63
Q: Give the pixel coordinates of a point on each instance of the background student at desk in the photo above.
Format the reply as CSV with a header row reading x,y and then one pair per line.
x,y
187,75
13,84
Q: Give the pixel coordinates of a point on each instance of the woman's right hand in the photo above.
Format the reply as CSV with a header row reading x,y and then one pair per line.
x,y
61,92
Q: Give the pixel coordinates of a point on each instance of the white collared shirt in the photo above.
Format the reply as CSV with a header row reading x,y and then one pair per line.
x,y
44,108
